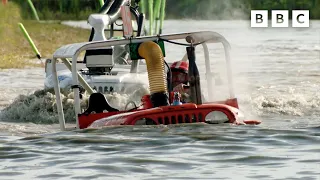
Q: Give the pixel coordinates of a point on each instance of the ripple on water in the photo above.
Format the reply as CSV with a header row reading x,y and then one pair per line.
x,y
10,174
256,159
53,176
18,156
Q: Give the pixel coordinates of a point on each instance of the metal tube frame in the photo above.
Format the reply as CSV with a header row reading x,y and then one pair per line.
x,y
208,68
73,50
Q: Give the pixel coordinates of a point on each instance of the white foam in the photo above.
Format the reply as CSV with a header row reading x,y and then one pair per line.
x,y
40,107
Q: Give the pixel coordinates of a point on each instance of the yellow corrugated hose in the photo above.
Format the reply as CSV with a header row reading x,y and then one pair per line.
x,y
152,53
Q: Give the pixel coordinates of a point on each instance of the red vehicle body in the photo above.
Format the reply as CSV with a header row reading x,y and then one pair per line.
x,y
186,113
158,107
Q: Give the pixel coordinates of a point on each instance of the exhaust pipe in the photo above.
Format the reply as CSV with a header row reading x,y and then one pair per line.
x,y
152,53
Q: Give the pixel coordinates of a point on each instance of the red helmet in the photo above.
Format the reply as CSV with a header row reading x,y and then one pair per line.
x,y
181,66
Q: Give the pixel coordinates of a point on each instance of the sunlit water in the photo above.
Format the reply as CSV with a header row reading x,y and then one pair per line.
x,y
276,80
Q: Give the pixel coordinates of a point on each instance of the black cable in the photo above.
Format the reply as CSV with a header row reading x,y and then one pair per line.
x,y
181,44
169,78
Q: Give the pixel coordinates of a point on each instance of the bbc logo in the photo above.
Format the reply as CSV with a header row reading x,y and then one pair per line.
x,y
280,18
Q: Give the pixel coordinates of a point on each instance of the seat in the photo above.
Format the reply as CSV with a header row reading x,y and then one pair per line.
x,y
98,103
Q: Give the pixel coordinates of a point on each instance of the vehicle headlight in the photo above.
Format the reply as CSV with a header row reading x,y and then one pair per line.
x,y
216,117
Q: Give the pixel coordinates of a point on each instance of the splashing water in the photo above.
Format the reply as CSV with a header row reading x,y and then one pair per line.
x,y
40,107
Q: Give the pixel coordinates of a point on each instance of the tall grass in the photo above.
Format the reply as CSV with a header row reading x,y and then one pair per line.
x,y
10,15
15,51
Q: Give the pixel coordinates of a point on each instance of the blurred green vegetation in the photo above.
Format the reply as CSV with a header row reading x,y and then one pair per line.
x,y
48,36
15,51
175,9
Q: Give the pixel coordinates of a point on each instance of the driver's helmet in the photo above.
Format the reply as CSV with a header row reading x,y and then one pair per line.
x,y
179,71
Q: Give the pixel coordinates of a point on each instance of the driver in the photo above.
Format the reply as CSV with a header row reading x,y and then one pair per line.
x,y
179,70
